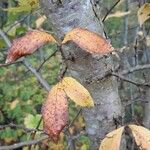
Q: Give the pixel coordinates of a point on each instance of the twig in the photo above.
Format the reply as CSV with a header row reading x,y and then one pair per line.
x,y
34,133
41,65
21,20
110,10
70,143
22,144
5,38
129,80
8,64
125,38
12,125
136,68
135,101
17,22
38,75
71,123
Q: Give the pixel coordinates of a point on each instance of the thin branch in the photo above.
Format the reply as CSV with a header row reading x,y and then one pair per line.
x,y
71,123
12,125
136,68
21,20
38,75
17,22
109,11
34,133
8,64
41,65
22,144
135,101
5,38
129,80
125,38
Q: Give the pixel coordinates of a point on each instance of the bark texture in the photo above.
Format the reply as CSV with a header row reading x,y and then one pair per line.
x,y
86,68
146,119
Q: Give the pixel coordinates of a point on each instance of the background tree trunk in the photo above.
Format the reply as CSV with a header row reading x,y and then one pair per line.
x,y
86,68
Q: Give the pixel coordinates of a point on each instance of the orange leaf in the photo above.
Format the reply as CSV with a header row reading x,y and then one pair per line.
x,y
76,92
28,44
55,112
88,41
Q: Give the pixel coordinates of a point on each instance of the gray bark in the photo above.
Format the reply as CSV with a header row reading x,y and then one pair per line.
x,y
87,67
146,121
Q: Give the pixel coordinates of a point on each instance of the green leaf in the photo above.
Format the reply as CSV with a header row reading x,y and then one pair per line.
x,y
31,121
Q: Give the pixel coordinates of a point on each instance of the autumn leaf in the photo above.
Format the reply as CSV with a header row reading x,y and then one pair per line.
x,y
40,21
89,41
118,14
144,13
76,92
28,44
142,136
112,140
55,112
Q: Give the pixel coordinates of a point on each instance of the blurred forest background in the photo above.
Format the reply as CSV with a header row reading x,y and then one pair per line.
x,y
20,103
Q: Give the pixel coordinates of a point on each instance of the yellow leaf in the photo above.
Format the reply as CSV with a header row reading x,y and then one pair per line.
x,y
118,14
76,92
40,21
142,136
144,13
88,41
14,104
112,140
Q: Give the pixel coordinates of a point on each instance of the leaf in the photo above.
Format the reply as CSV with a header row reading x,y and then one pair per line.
x,y
24,6
144,13
13,104
88,41
118,14
55,112
141,135
76,92
112,140
31,121
28,44
40,21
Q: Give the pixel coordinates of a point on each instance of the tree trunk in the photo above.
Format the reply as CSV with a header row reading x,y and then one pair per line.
x,y
86,68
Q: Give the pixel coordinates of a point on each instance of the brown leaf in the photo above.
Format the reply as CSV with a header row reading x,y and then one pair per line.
x,y
88,41
112,140
55,112
76,92
144,13
28,44
142,136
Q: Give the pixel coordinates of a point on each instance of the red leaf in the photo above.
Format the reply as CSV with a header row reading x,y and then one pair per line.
x,y
88,41
55,112
28,44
